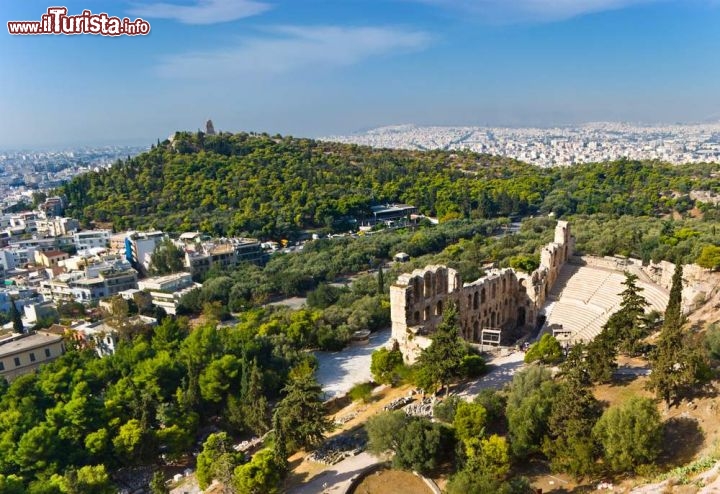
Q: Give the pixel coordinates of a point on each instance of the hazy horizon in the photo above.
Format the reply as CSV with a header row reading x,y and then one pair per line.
x,y
320,68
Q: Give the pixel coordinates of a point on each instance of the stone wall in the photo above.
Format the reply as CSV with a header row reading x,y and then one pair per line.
x,y
502,299
698,282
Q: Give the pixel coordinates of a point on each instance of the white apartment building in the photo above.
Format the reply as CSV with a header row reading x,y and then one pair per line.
x,y
166,291
90,239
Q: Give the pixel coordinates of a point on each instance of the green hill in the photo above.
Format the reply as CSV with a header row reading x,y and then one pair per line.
x,y
276,186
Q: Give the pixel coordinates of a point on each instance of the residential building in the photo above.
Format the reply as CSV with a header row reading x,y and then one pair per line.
x,y
139,246
222,253
40,310
166,291
50,258
57,226
90,239
53,206
103,336
20,354
22,298
89,286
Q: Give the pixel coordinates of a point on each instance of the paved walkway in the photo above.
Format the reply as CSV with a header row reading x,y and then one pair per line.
x,y
500,372
338,478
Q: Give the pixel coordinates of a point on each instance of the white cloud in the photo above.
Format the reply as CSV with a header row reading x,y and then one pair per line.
x,y
535,10
202,12
290,48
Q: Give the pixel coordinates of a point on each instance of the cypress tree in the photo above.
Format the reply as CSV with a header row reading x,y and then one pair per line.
x,y
381,281
255,404
677,362
16,318
569,444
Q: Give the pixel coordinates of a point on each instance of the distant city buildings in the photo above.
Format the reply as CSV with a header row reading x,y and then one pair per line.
x,y
593,142
23,172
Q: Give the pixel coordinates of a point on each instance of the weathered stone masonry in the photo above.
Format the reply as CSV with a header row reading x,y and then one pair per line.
x,y
503,299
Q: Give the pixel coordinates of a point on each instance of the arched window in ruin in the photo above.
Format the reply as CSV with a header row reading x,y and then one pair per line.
x,y
476,305
439,282
521,317
416,317
469,304
428,285
476,331
493,290
439,308
492,320
417,288
482,296
426,313
504,286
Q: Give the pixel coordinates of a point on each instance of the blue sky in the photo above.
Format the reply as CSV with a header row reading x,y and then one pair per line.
x,y
320,67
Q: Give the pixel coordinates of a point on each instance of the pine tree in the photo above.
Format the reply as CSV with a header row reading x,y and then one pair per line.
x,y
677,362
601,354
439,363
627,326
16,318
301,412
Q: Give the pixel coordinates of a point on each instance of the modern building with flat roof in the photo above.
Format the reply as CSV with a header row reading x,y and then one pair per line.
x,y
166,291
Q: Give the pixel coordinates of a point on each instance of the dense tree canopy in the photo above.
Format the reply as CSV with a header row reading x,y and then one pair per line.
x,y
274,186
630,434
90,416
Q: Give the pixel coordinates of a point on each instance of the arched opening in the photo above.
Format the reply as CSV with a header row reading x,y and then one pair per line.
x,y
469,304
492,320
417,288
476,331
493,291
476,305
416,316
504,285
482,296
521,316
426,313
439,308
428,285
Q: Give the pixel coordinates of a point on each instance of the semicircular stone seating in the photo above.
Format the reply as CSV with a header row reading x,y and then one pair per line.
x,y
584,297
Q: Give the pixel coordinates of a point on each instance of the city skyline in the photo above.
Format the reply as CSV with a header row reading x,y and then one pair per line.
x,y
329,68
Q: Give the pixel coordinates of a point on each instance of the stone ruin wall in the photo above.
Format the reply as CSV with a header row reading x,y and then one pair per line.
x,y
502,299
698,283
